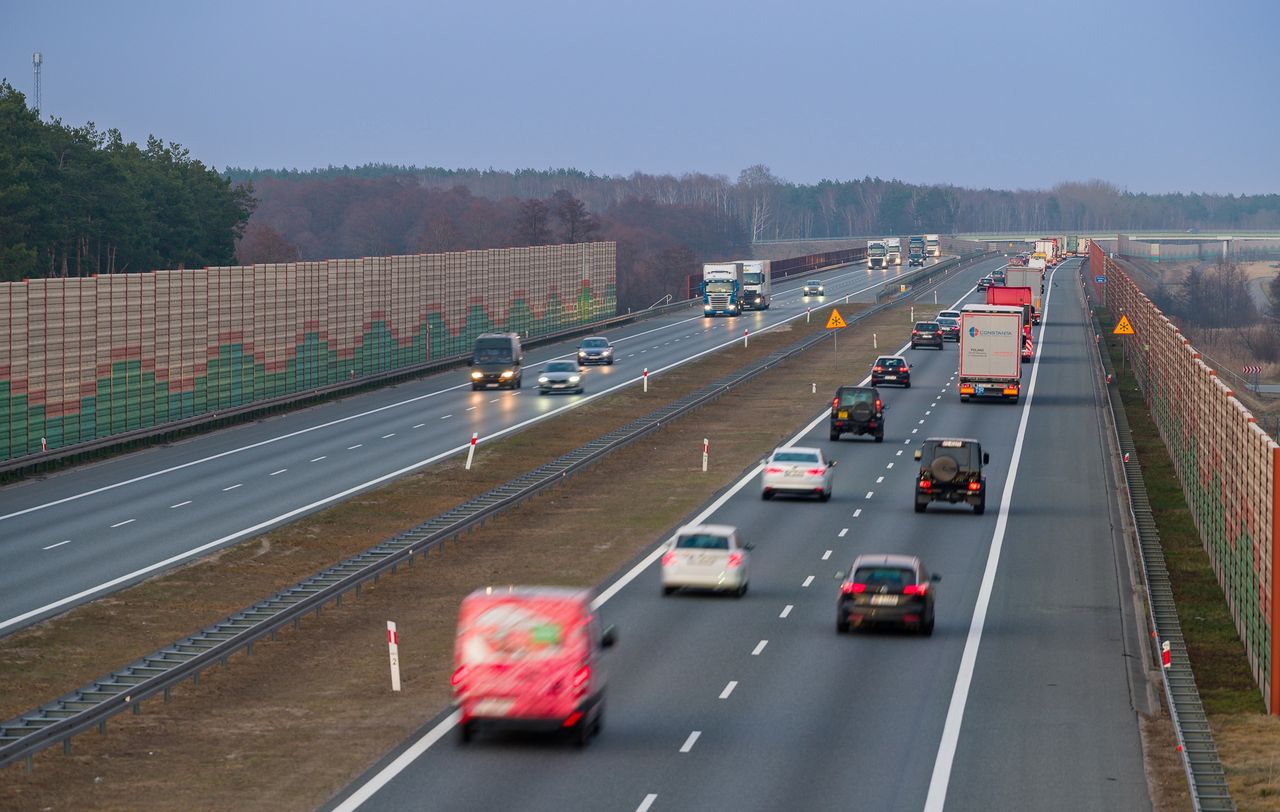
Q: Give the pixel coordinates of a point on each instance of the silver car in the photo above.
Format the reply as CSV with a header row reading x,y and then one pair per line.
x,y
803,471
706,556
814,287
560,376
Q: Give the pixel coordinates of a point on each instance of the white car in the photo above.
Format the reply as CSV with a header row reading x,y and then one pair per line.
x,y
949,314
797,470
706,556
814,287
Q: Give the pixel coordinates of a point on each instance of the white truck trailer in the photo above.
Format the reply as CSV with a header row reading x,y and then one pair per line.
x,y
893,245
757,286
932,245
990,352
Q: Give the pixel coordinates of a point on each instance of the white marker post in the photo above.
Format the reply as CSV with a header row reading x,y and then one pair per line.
x,y
814,388
913,314
393,646
875,342
471,450
706,452
744,338
646,379
44,442
935,296
807,311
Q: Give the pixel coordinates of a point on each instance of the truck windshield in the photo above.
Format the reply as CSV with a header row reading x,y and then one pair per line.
x,y
493,352
753,278
719,287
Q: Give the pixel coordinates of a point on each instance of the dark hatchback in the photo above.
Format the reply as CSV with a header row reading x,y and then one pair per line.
x,y
892,589
950,328
926,334
857,410
595,350
891,369
951,471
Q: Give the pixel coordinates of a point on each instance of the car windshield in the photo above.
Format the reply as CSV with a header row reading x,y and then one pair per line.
x,y
851,396
595,343
890,363
702,541
562,366
795,456
926,325
493,353
876,577
948,322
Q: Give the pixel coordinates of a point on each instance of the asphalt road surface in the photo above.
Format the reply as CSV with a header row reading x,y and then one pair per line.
x,y
1019,700
84,533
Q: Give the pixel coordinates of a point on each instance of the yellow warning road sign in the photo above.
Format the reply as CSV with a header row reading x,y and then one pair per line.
x,y
836,321
1123,327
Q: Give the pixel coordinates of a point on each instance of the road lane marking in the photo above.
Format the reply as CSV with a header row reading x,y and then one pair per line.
x,y
870,494
180,504
927,412
913,431
281,471
807,581
420,425
232,487
689,742
920,422
890,465
755,652
354,447
317,459
59,544
826,555
471,408
905,442
647,802
843,532
386,436
122,524
941,778
857,513
899,454
879,479
728,689
786,610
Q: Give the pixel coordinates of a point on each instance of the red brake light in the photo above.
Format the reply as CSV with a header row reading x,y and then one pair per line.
x,y
772,469
816,471
975,486
849,588
915,589
835,402
877,368
668,558
915,332
581,676
926,484
456,679
879,405
735,559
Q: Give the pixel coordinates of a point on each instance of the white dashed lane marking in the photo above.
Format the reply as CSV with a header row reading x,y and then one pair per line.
x,y
843,532
786,610
281,471
879,479
728,689
354,447
689,742
59,544
317,459
807,581
180,504
755,652
232,487
122,524
857,513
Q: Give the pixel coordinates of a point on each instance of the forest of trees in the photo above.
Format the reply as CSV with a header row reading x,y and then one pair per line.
x,y
76,201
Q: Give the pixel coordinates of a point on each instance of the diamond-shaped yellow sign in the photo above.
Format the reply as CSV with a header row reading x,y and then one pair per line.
x,y
1123,327
836,321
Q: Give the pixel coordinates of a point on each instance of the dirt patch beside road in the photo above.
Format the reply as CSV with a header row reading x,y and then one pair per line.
x,y
294,723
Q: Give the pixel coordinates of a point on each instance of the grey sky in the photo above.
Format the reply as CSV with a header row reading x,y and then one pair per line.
x,y
1152,96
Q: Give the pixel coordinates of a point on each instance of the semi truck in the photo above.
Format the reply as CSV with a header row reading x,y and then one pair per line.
x,y
915,251
877,254
757,286
932,245
991,340
1072,246
1032,278
722,288
1022,298
893,245
1047,249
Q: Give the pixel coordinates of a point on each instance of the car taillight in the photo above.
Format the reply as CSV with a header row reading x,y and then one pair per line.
x,y
915,589
668,558
915,332
939,334
877,369
581,676
835,402
773,470
816,471
735,559
879,405
456,679
852,589
926,484
975,486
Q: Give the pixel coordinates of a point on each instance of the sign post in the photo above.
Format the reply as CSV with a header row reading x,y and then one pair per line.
x,y
836,322
1255,370
393,646
646,379
706,448
471,449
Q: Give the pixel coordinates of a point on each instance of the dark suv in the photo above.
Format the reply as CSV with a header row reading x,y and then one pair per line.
x,y
926,334
857,410
886,589
891,369
951,471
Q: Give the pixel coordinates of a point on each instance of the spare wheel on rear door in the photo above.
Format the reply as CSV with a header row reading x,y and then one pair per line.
x,y
944,468
861,411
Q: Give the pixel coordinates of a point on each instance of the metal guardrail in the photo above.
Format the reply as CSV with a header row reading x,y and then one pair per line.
x,y
1205,776
91,705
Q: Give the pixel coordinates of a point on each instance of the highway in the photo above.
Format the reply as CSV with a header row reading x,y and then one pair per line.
x,y
1021,698
83,533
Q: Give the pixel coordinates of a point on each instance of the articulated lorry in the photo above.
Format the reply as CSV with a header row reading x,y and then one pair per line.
x,y
932,245
722,285
1032,278
757,286
1047,249
915,251
893,245
877,254
991,340
1018,297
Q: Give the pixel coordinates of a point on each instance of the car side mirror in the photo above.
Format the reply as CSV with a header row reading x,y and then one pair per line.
x,y
474,361
609,637
986,458
935,578
748,546
831,463
918,455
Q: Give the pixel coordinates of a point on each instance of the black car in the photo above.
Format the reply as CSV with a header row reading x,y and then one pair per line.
x,y
857,410
595,350
891,369
951,471
986,282
881,588
950,328
926,334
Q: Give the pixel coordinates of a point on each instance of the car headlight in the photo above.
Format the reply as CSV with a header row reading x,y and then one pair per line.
x,y
475,376
574,378
607,351
543,379
506,373
582,352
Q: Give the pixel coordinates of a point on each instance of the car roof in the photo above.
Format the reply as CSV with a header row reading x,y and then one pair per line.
x,y
885,560
846,387
708,529
888,358
952,439
809,449
595,338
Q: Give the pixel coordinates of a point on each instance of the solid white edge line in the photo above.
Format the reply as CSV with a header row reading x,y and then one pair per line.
x,y
937,797
386,774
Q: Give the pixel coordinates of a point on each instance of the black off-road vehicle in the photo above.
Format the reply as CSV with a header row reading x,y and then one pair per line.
x,y
857,410
951,471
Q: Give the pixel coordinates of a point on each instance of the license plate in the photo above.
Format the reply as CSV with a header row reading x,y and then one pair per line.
x,y
978,390
795,472
884,600
844,415
705,560
891,377
493,707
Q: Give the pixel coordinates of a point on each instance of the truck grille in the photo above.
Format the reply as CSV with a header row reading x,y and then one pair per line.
x,y
720,301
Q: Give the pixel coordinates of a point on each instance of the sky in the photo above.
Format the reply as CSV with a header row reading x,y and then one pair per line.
x,y
1008,94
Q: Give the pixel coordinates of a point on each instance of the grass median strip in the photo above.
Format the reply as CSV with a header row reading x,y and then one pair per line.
x,y
327,685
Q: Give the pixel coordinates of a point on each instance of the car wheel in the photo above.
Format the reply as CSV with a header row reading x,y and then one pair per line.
x,y
879,436
598,725
835,435
475,388
610,362
920,506
581,733
842,624
668,590
926,628
766,495
741,590
913,345
466,731
519,382
981,507
825,496
906,385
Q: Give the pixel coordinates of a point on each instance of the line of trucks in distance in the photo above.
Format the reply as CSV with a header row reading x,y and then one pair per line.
x,y
996,337
732,288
